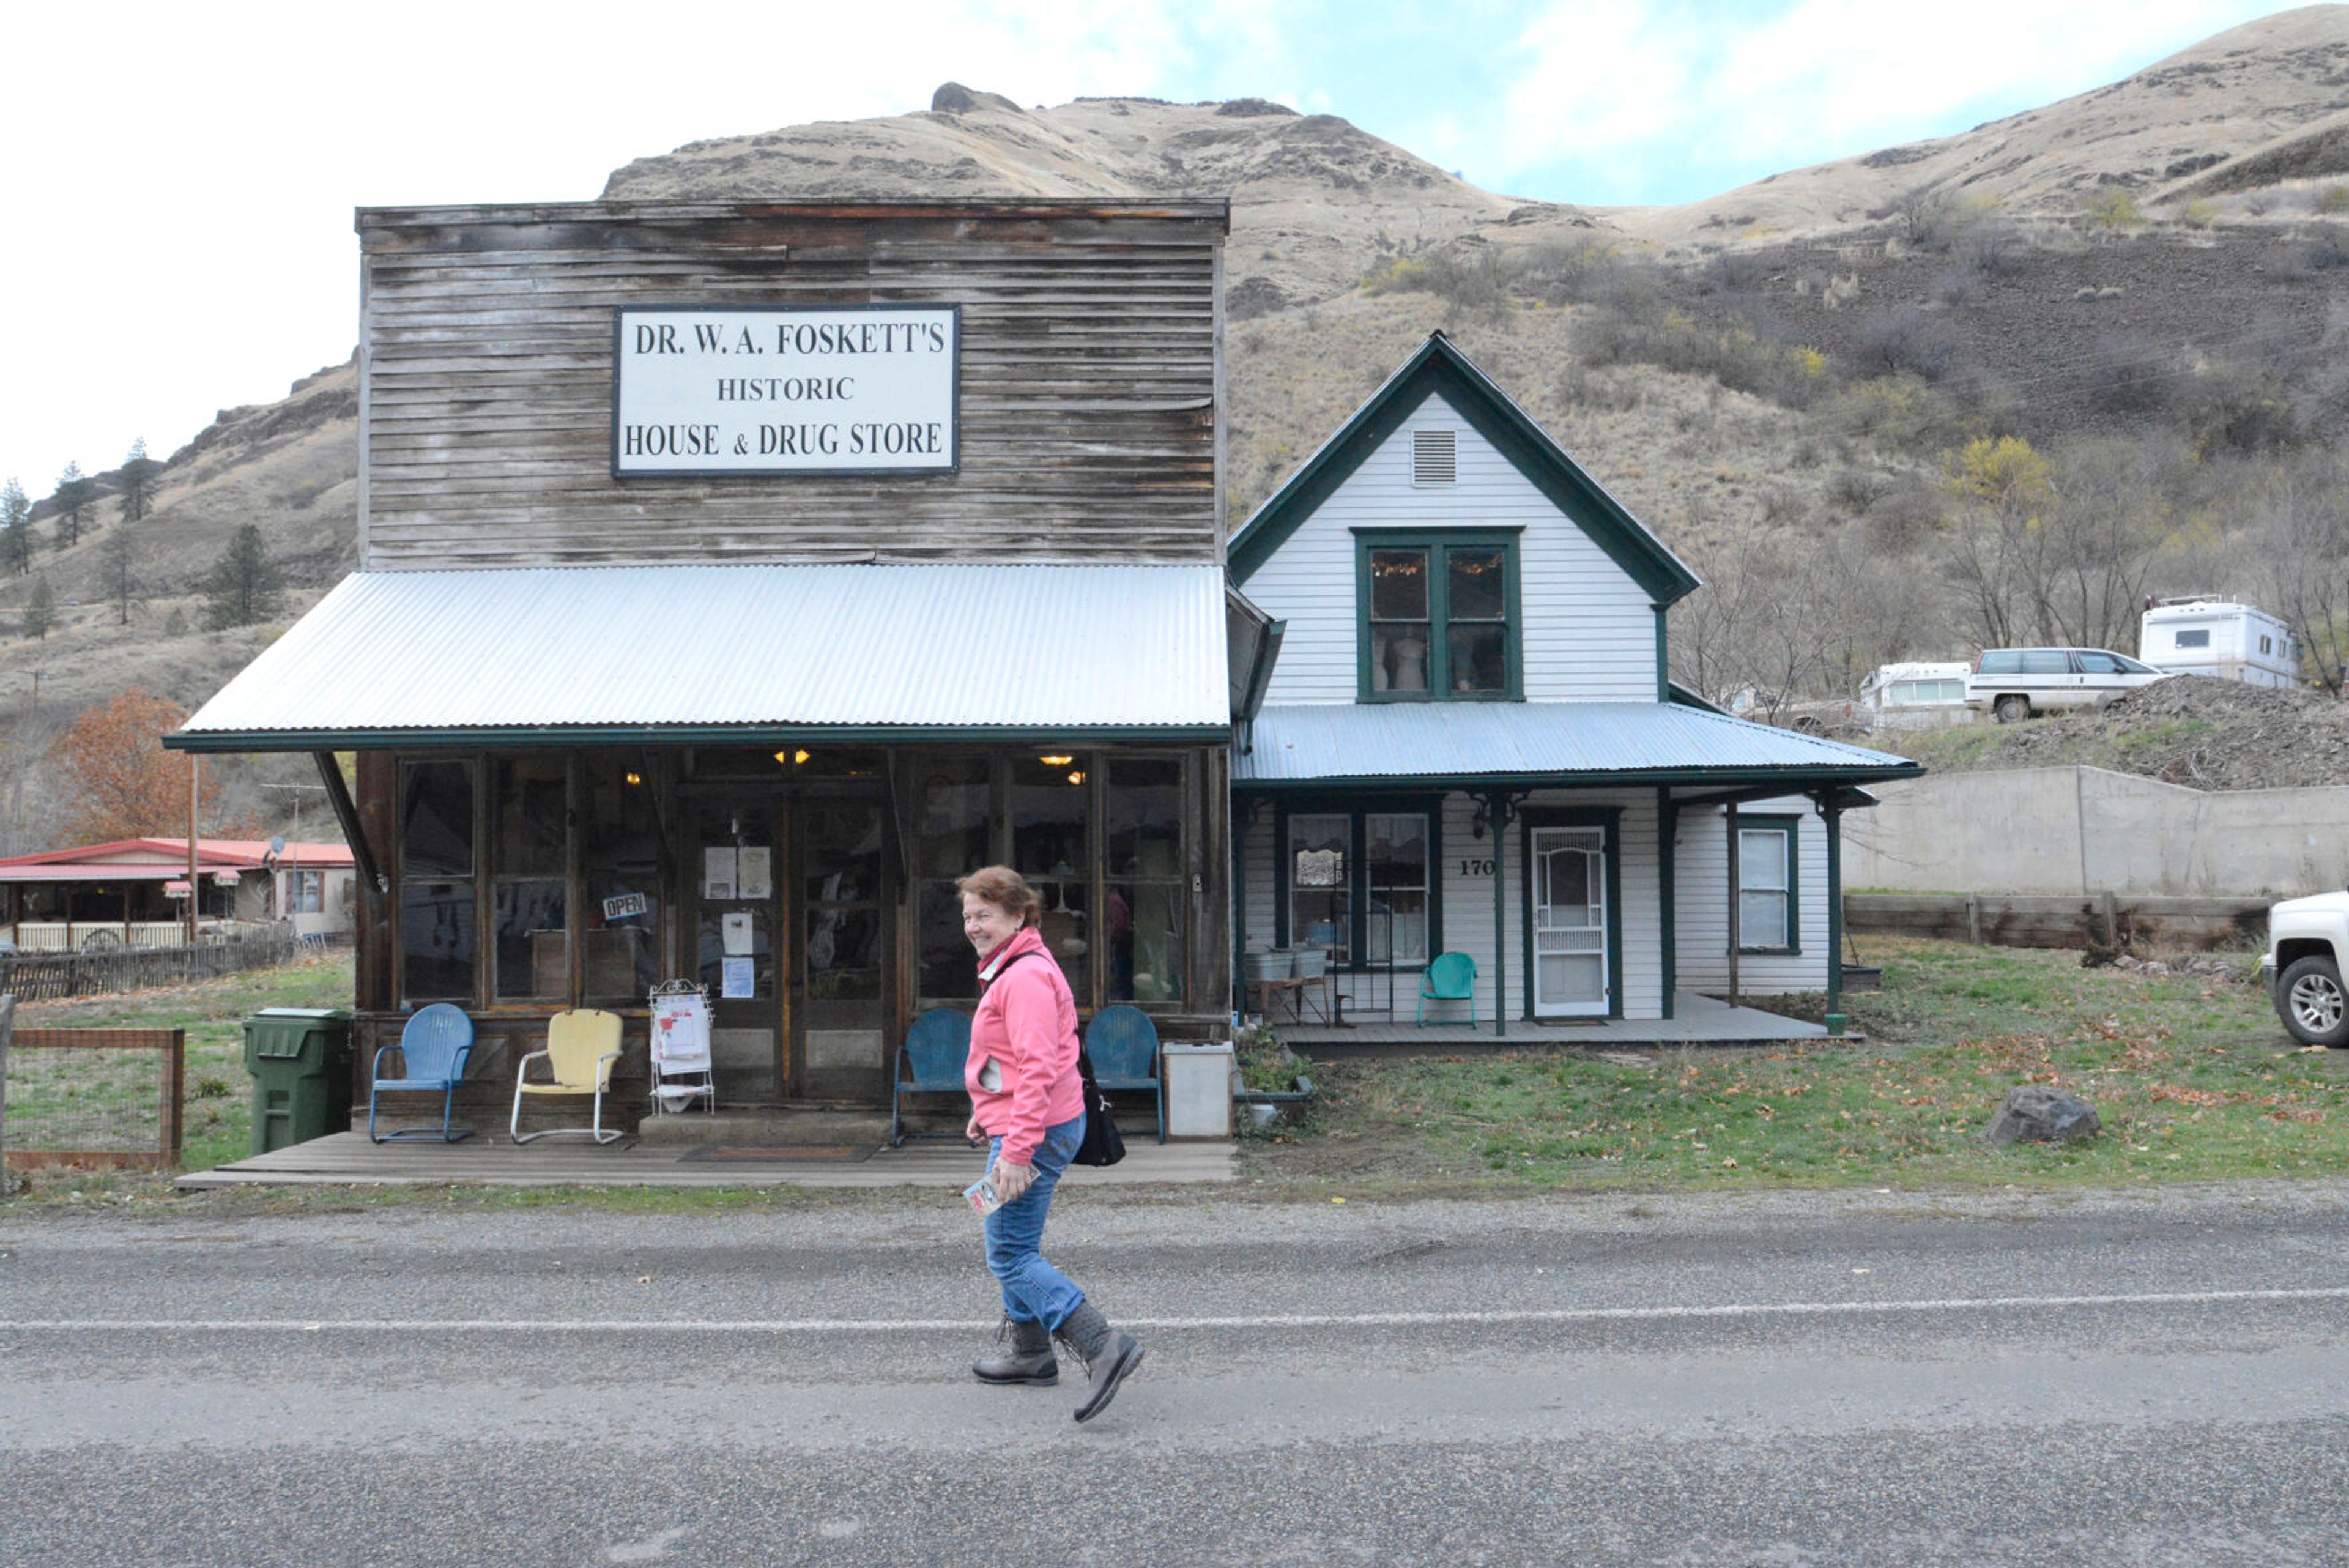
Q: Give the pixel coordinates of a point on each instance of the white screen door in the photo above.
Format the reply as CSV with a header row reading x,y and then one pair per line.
x,y
1569,917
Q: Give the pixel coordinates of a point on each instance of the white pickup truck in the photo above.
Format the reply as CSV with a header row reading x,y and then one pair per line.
x,y
2307,940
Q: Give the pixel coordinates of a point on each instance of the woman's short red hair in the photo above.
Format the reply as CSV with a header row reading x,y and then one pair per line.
x,y
1007,890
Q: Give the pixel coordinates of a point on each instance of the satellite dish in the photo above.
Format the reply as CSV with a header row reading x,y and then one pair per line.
x,y
277,844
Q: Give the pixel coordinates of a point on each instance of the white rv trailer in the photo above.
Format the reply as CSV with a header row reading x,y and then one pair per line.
x,y
1916,696
2204,635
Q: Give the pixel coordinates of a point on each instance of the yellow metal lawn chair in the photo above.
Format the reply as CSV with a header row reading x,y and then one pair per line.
x,y
580,1046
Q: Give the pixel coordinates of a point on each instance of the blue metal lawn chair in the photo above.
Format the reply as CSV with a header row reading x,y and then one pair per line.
x,y
1122,1044
432,1049
1451,978
930,1062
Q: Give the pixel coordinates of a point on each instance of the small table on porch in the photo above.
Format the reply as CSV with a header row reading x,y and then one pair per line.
x,y
1298,989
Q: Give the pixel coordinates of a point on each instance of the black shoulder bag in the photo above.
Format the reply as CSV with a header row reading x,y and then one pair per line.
x,y
1103,1144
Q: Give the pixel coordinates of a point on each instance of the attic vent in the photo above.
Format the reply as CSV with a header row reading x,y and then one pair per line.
x,y
1433,457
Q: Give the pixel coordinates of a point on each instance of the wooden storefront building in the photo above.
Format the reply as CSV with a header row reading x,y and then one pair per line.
x,y
734,576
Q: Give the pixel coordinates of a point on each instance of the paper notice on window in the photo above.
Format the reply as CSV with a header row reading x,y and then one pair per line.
x,y
736,924
718,872
737,981
755,879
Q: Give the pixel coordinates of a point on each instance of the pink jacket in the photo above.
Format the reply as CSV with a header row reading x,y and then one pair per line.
x,y
1026,1026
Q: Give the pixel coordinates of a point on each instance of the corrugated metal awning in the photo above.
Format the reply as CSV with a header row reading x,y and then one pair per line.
x,y
1539,742
709,653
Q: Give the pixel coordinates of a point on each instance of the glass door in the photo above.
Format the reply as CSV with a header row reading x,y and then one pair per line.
x,y
1569,922
732,874
839,994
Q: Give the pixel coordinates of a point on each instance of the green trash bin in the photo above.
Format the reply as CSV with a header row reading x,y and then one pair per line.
x,y
300,1059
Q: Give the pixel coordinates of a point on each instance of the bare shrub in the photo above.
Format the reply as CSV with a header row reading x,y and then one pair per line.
x,y
1957,287
1857,488
1581,272
1904,341
1994,248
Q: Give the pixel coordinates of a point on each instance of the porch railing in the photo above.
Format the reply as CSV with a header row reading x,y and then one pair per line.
x,y
99,936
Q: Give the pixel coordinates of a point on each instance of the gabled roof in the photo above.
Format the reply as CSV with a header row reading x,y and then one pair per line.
x,y
1440,367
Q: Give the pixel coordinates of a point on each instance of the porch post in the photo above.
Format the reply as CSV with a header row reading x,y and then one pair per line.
x,y
1667,852
1499,810
1733,910
1833,813
195,765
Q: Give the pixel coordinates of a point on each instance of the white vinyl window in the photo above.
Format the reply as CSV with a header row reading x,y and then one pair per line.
x,y
1766,886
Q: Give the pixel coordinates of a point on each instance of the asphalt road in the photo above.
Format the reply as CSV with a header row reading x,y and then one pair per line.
x,y
1860,1379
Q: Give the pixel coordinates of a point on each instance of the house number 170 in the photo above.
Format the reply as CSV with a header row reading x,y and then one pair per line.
x,y
1475,867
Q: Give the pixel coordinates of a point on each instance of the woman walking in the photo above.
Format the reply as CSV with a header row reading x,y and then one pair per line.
x,y
1028,1098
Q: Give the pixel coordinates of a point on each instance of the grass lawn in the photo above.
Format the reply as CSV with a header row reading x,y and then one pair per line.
x,y
2193,1079
217,1110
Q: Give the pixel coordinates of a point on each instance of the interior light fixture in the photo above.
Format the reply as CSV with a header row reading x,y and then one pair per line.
x,y
1077,778
634,779
802,756
1056,761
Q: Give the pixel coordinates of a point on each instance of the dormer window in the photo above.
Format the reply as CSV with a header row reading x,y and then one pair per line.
x,y
1439,616
1435,457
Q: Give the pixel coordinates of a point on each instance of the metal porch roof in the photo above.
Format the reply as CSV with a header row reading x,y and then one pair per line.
x,y
1647,742
703,652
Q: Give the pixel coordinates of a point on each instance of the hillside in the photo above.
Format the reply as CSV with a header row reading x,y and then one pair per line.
x,y
1769,377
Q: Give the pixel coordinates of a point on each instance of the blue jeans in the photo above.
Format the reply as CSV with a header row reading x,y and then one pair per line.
x,y
1033,1290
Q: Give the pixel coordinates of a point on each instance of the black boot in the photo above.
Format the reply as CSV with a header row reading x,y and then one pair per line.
x,y
1107,1353
1031,1359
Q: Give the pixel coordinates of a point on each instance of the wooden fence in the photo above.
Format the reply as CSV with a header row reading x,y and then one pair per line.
x,y
76,1107
52,977
2103,920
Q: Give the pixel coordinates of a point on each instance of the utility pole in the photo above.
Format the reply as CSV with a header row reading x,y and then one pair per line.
x,y
293,861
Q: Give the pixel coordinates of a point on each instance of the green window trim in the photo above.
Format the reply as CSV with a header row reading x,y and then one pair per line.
x,y
1358,809
1791,825
1437,542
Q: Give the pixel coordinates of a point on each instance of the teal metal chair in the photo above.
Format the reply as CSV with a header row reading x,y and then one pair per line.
x,y
433,1046
930,1062
1121,1044
1451,978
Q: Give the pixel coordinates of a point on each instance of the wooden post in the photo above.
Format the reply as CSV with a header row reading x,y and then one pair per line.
x,y
195,780
7,1026
1736,906
1974,918
173,1084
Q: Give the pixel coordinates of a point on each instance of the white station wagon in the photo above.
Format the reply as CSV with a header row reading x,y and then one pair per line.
x,y
2017,682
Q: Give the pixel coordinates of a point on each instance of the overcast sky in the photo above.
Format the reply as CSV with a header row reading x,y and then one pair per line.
x,y
178,179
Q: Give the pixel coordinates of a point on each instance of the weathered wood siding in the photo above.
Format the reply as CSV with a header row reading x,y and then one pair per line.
x,y
1589,630
1090,381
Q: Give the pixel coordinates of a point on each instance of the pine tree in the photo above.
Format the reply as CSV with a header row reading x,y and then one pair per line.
x,y
40,611
244,585
138,477
119,563
16,530
74,495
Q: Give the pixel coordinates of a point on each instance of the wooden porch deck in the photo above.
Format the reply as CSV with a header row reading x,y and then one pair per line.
x,y
489,1160
1697,1020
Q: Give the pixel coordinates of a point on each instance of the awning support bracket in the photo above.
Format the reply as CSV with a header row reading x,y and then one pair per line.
x,y
373,884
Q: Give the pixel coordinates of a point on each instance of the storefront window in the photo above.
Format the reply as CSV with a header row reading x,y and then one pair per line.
x,y
1142,846
529,852
435,881
840,876
620,856
951,816
1050,847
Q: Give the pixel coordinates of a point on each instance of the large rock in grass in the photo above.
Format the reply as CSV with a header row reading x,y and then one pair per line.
x,y
2034,1112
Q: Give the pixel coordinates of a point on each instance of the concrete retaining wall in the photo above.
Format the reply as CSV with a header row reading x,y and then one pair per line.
x,y
2166,925
2084,831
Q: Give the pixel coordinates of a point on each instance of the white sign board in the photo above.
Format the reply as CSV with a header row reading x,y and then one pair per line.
x,y
851,389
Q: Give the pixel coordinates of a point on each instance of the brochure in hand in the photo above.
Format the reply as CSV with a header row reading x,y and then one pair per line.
x,y
983,1199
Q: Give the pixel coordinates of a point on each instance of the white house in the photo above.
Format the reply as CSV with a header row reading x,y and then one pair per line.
x,y
1469,740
